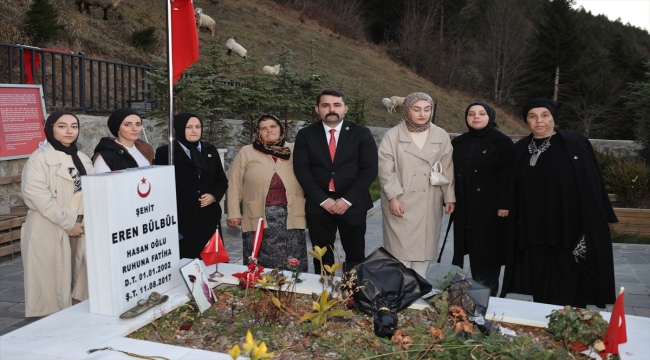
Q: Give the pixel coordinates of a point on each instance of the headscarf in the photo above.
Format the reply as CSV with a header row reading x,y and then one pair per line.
x,y
409,101
491,122
538,103
276,149
56,144
117,117
180,122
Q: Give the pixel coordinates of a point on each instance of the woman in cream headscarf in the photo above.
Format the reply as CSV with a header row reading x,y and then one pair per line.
x,y
411,206
52,242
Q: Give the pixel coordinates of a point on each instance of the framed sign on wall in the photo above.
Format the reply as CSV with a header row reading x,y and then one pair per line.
x,y
22,115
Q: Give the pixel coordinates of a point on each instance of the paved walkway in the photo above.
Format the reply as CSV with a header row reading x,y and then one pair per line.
x,y
631,265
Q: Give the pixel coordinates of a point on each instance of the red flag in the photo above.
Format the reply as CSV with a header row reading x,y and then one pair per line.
x,y
214,251
257,239
616,330
185,39
27,63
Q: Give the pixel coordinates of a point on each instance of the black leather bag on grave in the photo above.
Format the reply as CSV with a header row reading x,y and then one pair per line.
x,y
388,287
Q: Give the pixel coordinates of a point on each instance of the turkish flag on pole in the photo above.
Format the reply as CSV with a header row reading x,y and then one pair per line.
x,y
185,39
616,330
214,251
257,239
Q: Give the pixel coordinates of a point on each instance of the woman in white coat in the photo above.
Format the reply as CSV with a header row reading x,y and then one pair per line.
x,y
52,238
411,206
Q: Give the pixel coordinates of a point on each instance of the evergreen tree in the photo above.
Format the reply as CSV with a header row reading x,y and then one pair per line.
x,y
41,22
638,105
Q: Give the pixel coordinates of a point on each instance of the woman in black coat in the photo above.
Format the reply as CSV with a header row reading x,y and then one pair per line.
x,y
200,184
559,244
481,166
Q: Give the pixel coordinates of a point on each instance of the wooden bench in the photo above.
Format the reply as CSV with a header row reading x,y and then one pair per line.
x,y
10,223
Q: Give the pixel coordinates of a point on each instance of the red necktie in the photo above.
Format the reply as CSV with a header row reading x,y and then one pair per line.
x,y
332,146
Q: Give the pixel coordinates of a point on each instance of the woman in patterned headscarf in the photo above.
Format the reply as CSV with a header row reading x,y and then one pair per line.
x,y
411,206
52,243
263,183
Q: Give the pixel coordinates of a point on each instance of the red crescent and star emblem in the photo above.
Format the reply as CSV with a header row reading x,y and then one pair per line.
x,y
144,195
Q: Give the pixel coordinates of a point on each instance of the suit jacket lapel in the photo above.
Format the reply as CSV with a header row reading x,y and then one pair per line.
x,y
343,139
321,139
180,155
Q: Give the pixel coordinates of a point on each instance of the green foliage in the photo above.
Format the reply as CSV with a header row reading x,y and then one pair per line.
x,y
375,190
625,238
42,22
441,304
145,39
630,181
571,324
324,308
637,103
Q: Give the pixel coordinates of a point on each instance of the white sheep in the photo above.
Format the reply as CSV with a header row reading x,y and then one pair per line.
x,y
273,70
399,101
104,4
388,104
232,45
204,21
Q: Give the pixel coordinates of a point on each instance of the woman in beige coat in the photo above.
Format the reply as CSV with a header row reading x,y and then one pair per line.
x,y
52,241
262,185
411,206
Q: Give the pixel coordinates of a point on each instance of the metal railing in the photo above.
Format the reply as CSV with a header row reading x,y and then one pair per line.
x,y
73,81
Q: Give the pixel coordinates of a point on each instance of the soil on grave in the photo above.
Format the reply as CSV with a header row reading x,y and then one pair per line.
x,y
225,325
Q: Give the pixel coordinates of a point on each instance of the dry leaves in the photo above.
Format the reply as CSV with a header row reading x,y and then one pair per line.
x,y
401,338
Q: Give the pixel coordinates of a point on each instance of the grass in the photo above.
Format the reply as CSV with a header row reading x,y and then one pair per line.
x,y
625,238
375,190
265,28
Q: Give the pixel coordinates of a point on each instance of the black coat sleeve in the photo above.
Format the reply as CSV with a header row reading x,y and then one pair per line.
x,y
505,172
368,168
220,184
162,156
302,168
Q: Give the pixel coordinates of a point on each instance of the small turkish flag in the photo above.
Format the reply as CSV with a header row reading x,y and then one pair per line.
x,y
257,239
214,251
616,330
185,39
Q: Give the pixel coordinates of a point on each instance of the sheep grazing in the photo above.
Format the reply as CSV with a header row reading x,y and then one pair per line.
x,y
273,70
398,101
204,21
104,4
232,45
389,104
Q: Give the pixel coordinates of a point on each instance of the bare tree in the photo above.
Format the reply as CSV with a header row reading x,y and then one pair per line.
x,y
591,105
505,44
415,33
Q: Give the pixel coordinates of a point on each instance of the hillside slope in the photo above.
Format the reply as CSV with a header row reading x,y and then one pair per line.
x,y
261,26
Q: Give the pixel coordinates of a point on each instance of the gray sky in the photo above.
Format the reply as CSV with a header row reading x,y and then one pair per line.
x,y
636,12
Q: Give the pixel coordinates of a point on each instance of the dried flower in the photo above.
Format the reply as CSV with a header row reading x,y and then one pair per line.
x,y
294,262
192,278
186,326
350,303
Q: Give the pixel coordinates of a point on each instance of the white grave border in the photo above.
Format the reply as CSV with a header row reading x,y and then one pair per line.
x,y
70,333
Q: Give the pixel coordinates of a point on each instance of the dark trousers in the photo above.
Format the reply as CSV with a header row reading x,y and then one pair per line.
x,y
352,228
488,276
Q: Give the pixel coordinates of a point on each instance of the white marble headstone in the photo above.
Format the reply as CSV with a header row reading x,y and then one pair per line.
x,y
132,236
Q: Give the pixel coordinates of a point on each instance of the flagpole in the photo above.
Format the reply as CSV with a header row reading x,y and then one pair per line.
x,y
170,82
216,272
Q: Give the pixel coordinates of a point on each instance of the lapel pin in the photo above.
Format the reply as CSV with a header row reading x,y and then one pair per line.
x,y
575,158
209,155
347,128
484,151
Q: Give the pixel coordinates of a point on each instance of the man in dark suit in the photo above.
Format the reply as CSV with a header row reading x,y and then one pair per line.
x,y
335,161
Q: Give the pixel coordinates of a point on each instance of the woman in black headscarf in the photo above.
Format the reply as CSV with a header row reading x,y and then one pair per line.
x,y
481,163
200,183
125,150
52,242
559,247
